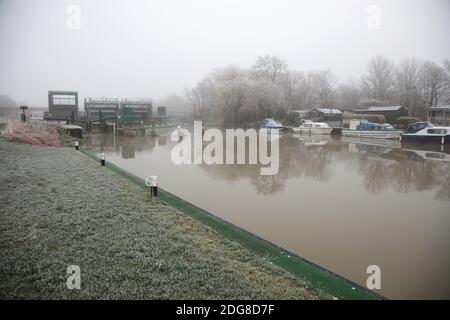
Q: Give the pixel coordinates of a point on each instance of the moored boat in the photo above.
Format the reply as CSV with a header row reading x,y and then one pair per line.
x,y
310,127
365,129
426,132
269,123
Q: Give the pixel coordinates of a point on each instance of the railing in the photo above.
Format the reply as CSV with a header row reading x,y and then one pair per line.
x,y
115,100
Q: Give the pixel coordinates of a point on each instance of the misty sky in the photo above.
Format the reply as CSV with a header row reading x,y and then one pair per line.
x,y
128,49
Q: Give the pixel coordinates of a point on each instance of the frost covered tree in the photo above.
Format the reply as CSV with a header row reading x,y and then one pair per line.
x,y
348,95
238,96
379,77
324,85
433,83
407,84
269,68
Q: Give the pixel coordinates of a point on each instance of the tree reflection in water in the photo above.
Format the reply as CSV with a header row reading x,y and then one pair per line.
x,y
380,167
381,164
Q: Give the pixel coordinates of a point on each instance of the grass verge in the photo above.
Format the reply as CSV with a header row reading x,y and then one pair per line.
x,y
59,208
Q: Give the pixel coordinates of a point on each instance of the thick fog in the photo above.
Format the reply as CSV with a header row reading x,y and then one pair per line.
x,y
129,49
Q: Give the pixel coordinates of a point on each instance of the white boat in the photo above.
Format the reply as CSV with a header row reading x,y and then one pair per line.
x,y
269,123
429,155
426,132
310,127
383,143
365,129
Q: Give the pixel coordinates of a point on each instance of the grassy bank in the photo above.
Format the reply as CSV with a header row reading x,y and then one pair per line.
x,y
59,208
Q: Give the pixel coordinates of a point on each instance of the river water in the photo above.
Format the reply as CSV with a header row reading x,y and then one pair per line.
x,y
343,204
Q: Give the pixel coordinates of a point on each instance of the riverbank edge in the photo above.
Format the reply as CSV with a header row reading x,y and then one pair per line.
x,y
297,266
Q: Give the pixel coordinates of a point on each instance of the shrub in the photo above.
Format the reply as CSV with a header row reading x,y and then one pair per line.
x,y
405,121
38,135
376,118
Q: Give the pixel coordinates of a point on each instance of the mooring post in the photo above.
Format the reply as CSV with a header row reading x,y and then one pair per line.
x,y
102,159
155,185
23,116
77,145
179,132
152,182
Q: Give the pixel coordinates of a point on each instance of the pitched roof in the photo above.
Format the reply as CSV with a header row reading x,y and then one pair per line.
x,y
329,111
393,108
440,107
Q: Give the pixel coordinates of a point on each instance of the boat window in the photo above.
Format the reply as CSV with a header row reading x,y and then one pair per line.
x,y
435,155
413,128
436,131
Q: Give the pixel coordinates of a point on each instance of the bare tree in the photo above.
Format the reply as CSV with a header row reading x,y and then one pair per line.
x,y
432,83
6,102
446,95
237,96
175,103
290,83
299,90
348,95
378,79
407,83
324,83
229,74
269,68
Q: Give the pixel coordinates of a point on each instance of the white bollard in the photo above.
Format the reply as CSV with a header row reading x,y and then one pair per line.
x,y
77,145
152,182
154,185
102,159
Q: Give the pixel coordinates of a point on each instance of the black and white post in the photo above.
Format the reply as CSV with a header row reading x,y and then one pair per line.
x,y
152,182
102,159
77,145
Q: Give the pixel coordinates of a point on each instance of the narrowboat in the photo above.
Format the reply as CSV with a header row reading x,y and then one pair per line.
x,y
366,129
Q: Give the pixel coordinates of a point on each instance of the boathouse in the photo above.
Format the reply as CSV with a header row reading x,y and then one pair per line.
x,y
439,114
390,113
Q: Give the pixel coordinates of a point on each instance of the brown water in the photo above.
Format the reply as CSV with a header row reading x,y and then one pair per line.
x,y
343,204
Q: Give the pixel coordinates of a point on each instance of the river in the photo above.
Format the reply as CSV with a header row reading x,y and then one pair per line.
x,y
343,204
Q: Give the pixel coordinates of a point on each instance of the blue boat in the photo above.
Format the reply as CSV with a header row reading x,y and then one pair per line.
x,y
365,129
426,132
269,123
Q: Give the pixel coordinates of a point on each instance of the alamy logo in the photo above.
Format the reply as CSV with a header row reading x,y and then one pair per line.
x,y
373,17
374,280
73,21
74,279
213,152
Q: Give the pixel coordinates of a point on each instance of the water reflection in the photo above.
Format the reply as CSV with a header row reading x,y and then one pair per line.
x,y
382,163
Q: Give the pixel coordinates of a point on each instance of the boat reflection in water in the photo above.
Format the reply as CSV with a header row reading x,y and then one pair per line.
x,y
342,203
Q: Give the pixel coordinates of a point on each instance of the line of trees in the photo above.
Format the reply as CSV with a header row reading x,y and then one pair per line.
x,y
243,96
8,107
